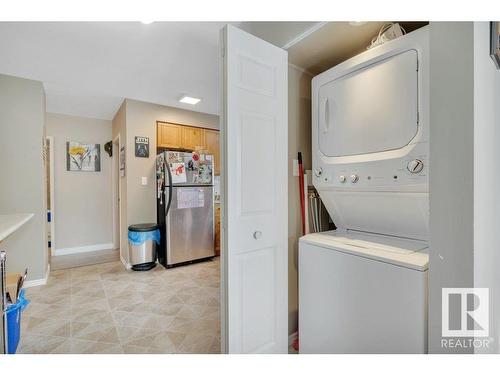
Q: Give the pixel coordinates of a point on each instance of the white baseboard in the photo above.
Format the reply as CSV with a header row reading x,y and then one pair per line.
x,y
292,338
38,282
83,249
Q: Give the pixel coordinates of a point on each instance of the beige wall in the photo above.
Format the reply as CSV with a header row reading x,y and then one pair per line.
x,y
140,119
22,186
299,139
83,200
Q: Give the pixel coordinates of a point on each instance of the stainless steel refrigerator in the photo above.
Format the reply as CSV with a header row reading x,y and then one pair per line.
x,y
185,207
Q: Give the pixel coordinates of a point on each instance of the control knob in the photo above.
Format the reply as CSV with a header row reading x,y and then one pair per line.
x,y
415,166
354,178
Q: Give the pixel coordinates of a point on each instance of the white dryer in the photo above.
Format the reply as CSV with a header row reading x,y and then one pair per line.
x,y
363,288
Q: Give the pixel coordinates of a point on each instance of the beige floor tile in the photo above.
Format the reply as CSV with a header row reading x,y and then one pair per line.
x,y
79,302
106,309
38,344
48,327
71,346
91,314
44,310
194,343
132,349
94,332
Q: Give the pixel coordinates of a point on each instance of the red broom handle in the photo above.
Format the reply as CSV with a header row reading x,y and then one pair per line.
x,y
302,198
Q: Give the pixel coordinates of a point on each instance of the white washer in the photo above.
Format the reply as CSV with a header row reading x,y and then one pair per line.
x,y
363,288
362,293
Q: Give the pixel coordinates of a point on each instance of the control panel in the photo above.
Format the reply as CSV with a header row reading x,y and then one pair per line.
x,y
409,170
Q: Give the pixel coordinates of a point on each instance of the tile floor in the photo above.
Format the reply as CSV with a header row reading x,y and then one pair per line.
x,y
105,309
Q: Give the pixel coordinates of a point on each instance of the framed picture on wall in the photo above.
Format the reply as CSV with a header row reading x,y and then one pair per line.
x,y
122,161
142,147
83,157
495,43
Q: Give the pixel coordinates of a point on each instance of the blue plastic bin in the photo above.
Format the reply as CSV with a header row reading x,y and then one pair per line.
x,y
14,322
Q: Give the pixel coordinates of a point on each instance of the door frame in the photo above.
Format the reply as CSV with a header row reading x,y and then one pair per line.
x,y
115,181
50,151
224,347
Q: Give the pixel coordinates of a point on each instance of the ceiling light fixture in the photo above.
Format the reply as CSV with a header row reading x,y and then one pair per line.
x,y
147,22
357,23
189,100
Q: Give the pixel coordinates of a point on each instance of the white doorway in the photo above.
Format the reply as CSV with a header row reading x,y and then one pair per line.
x,y
116,194
50,198
254,269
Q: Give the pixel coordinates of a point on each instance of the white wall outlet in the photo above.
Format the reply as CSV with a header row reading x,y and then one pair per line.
x,y
144,180
295,168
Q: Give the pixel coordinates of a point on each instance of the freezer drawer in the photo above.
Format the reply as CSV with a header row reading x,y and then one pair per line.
x,y
190,224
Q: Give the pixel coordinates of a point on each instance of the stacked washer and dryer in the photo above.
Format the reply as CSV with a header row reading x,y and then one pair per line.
x,y
363,287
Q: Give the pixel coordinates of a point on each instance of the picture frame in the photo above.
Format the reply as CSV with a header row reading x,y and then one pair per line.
x,y
495,43
141,147
122,161
83,157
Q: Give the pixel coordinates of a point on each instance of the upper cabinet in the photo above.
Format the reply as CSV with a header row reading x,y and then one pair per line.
x,y
192,138
169,135
213,148
182,137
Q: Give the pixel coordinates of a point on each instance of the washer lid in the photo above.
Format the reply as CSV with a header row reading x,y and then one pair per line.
x,y
399,251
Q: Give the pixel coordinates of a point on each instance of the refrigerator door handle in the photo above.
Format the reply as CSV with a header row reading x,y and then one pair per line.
x,y
167,167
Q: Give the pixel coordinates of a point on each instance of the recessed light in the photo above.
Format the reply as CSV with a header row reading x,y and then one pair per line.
x,y
189,100
357,23
147,22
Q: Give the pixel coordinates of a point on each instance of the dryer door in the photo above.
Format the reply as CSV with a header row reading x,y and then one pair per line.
x,y
372,109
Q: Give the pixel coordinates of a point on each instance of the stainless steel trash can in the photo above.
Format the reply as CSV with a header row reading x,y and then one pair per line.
x,y
143,245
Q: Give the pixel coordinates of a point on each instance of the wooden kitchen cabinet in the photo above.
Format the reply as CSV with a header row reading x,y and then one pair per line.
x,y
189,138
192,138
169,135
213,147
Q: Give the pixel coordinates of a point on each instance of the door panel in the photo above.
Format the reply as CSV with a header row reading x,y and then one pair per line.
x,y
190,231
359,115
255,197
192,138
212,146
169,135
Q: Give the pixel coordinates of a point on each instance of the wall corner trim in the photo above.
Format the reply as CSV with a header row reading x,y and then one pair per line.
x,y
83,249
127,266
38,282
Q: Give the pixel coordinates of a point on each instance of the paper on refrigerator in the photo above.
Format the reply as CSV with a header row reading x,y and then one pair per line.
x,y
178,171
190,198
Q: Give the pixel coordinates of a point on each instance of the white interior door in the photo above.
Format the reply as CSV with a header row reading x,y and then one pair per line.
x,y
255,197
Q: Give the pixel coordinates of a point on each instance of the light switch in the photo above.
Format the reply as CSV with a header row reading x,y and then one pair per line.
x,y
295,168
144,180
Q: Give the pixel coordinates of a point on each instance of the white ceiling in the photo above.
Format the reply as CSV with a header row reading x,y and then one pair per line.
x,y
87,68
334,42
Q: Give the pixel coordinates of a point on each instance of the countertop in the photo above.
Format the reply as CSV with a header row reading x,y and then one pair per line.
x,y
10,223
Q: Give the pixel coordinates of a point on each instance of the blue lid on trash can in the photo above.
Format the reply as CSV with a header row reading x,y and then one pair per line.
x,y
148,227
